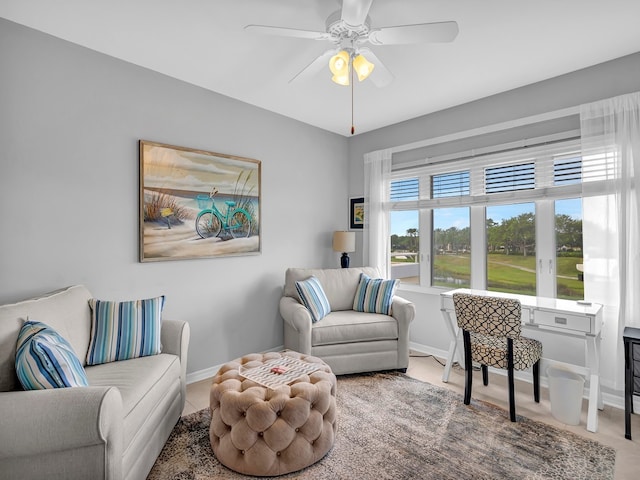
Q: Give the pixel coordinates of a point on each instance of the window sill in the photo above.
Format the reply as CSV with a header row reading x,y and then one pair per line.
x,y
407,287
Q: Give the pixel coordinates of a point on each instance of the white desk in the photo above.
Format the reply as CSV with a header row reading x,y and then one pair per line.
x,y
561,317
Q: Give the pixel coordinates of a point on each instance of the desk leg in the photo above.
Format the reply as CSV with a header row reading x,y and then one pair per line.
x,y
595,395
453,344
628,389
592,416
600,400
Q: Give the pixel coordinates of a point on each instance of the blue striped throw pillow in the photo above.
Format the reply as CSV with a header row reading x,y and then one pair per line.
x,y
124,330
44,359
374,295
314,298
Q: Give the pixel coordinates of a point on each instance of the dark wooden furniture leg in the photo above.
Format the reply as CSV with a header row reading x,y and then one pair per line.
x,y
536,381
628,388
468,365
512,399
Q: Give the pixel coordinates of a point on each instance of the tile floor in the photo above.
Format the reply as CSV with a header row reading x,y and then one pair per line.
x,y
429,369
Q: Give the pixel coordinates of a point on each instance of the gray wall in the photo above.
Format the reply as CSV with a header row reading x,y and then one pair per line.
x,y
605,80
70,121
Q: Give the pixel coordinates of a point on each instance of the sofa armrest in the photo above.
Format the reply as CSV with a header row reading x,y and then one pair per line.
x,y
403,311
297,325
41,426
174,336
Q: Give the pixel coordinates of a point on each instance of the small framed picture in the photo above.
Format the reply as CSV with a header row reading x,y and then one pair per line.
x,y
356,213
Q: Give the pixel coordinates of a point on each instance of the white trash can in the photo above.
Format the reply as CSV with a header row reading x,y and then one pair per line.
x,y
565,393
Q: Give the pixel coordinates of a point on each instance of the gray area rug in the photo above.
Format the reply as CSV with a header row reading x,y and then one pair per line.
x,y
391,426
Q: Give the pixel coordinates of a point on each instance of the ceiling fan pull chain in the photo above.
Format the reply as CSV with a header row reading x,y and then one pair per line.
x,y
353,129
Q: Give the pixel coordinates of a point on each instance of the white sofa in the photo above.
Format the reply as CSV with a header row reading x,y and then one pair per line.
x,y
114,428
348,341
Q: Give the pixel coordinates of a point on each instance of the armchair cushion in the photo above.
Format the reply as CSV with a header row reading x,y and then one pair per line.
x,y
352,327
374,295
124,330
44,359
314,298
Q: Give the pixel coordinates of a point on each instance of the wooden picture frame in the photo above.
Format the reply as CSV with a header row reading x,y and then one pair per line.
x,y
197,204
356,213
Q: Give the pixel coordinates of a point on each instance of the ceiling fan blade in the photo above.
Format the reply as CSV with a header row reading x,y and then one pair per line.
x,y
354,12
316,66
420,33
381,75
287,32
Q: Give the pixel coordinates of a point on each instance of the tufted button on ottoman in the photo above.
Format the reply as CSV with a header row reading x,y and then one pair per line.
x,y
263,431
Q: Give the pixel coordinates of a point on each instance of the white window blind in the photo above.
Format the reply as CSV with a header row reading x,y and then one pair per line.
x,y
404,189
519,174
450,185
507,178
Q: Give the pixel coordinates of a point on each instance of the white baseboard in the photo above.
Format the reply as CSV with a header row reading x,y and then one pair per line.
x,y
194,377
200,375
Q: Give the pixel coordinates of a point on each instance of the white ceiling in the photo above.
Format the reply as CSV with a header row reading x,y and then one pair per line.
x,y
502,44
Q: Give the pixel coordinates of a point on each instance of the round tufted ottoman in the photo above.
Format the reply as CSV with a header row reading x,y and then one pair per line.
x,y
263,431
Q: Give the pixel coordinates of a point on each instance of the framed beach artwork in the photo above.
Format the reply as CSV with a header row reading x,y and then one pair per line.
x,y
197,204
356,213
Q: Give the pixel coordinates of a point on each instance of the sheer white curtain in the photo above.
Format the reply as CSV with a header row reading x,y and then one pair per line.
x,y
377,171
610,131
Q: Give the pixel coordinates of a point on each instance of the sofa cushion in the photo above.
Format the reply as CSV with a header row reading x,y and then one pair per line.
x,y
314,298
350,326
339,284
374,295
124,330
44,359
67,311
143,383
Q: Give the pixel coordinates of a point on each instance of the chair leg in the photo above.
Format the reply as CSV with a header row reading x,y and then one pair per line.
x,y
536,381
468,366
512,399
485,375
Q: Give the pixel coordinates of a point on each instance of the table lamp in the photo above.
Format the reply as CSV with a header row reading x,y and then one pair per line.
x,y
344,242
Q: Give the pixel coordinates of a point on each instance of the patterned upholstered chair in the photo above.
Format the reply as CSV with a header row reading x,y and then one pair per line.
x,y
491,328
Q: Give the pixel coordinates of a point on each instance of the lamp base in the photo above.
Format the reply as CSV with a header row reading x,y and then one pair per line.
x,y
344,260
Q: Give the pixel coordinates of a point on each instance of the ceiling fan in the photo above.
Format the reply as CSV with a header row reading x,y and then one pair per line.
x,y
349,29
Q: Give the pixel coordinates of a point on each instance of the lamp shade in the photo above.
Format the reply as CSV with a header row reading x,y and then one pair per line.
x,y
363,67
339,66
344,241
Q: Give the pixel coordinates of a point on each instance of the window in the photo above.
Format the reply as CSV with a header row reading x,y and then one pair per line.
x,y
511,242
405,232
451,247
405,246
568,228
509,222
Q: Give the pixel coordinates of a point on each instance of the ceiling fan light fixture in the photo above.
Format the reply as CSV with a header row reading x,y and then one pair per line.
x,y
341,79
363,67
339,66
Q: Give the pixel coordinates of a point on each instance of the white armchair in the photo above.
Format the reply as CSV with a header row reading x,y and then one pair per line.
x,y
348,341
